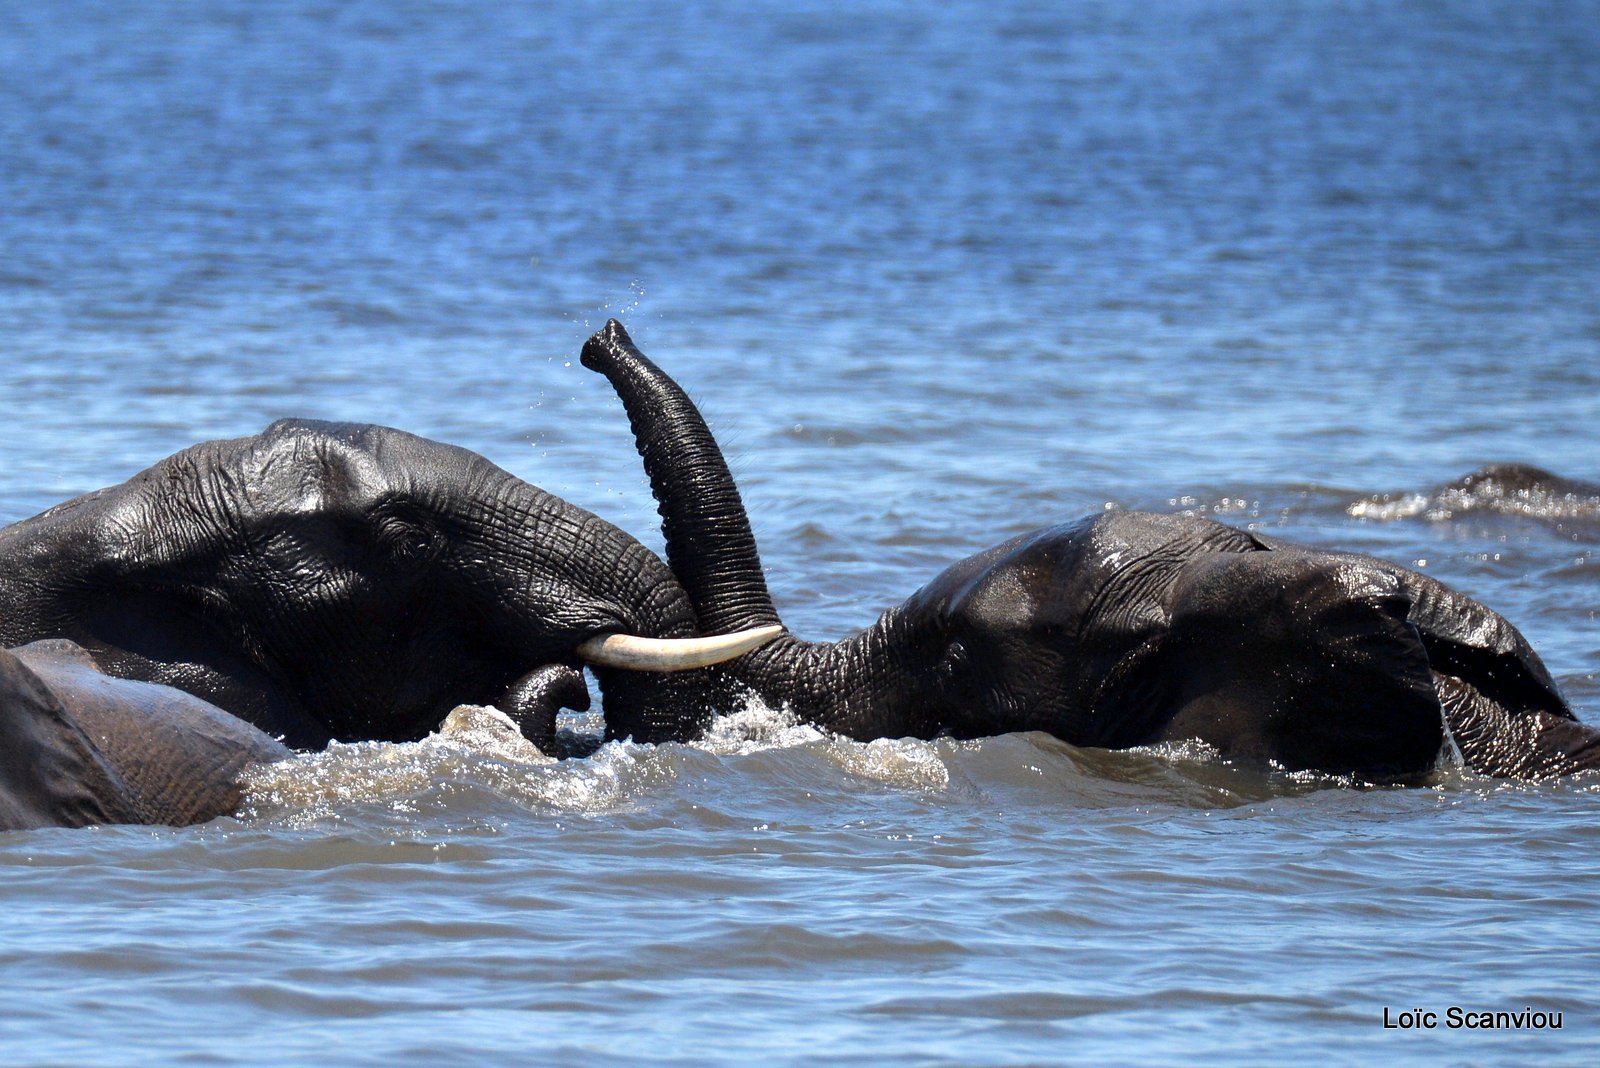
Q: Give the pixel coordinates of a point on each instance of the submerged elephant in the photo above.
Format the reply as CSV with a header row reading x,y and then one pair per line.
x,y
1498,489
337,581
1120,630
78,747
1519,488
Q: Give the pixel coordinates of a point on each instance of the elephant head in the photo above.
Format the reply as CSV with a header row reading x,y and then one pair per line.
x,y
1120,630
344,581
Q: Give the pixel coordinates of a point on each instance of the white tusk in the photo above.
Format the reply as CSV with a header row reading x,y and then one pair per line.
x,y
632,653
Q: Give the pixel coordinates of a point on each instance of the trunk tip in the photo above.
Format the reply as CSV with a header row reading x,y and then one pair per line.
x,y
606,344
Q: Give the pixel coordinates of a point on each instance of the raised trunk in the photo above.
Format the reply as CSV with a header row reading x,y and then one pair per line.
x,y
710,546
850,687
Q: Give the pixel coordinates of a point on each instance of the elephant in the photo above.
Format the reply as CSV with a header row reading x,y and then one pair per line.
x,y
1498,489
78,747
1520,490
1513,487
1120,630
342,581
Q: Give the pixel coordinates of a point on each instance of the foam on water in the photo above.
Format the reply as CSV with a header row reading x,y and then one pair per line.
x,y
1385,509
481,748
1533,495
756,727
478,752
476,748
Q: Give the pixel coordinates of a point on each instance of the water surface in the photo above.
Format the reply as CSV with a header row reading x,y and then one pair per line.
x,y
937,276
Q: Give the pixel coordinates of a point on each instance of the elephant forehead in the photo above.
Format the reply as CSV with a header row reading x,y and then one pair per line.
x,y
294,475
1013,585
1303,584
1118,537
1007,598
1140,553
307,463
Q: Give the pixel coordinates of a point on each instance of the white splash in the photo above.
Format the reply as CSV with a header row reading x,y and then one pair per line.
x,y
489,731
754,728
757,727
475,747
1385,510
479,750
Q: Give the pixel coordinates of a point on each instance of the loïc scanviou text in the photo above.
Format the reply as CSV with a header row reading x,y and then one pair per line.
x,y
1455,1017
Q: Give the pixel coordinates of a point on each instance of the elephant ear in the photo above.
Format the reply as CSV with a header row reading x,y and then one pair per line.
x,y
1472,642
1505,713
1466,639
1528,744
51,774
1295,658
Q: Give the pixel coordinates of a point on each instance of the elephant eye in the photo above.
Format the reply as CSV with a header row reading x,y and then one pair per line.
x,y
403,541
954,663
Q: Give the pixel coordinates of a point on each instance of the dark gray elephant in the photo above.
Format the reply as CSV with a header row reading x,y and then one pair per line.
x,y
78,747
1121,630
1510,489
1499,482
328,581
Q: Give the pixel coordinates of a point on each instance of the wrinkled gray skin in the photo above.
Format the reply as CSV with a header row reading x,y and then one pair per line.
x,y
335,581
1122,629
81,747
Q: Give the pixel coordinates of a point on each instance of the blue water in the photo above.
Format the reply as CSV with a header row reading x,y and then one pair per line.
x,y
937,274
